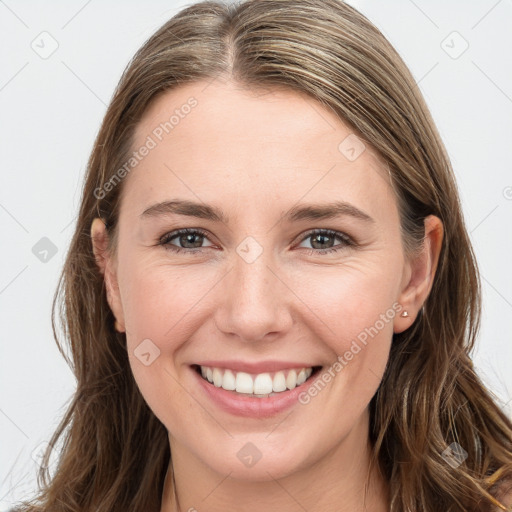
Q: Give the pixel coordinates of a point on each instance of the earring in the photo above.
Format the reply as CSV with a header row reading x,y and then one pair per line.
x,y
404,313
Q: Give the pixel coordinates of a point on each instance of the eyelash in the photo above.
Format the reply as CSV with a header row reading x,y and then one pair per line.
x,y
166,239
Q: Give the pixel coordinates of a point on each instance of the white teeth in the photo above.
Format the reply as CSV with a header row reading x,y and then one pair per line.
x,y
279,382
244,383
228,382
217,377
261,385
291,380
301,377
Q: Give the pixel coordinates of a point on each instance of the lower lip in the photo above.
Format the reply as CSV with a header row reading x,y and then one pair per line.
x,y
252,407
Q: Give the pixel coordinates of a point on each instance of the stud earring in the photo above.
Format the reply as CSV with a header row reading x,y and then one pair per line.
x,y
404,313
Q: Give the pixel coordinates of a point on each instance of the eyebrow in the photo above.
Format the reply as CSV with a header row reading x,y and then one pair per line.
x,y
297,213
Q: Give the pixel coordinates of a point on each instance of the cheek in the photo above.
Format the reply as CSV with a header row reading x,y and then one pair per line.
x,y
354,308
163,308
349,299
156,299
158,303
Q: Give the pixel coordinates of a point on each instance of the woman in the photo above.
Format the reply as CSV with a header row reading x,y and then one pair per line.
x,y
247,370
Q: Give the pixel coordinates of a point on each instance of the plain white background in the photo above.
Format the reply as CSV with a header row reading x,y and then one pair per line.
x,y
52,106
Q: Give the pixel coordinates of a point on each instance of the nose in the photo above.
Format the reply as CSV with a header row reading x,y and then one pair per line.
x,y
255,301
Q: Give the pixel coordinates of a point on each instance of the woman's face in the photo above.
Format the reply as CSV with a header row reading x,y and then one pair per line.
x,y
284,281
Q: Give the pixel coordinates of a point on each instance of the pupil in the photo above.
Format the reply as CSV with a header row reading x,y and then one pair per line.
x,y
322,237
189,239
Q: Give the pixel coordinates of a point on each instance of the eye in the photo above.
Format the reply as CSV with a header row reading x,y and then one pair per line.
x,y
325,238
193,237
192,240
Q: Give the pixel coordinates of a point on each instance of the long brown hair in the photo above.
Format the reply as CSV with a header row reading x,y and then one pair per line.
x,y
114,452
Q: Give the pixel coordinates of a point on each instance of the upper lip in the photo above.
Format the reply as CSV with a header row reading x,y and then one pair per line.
x,y
255,367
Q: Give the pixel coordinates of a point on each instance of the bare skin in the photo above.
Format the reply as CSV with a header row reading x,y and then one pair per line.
x,y
256,156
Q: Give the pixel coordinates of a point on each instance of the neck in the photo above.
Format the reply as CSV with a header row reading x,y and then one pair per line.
x,y
340,480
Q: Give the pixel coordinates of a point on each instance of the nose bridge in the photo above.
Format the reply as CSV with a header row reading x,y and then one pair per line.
x,y
254,298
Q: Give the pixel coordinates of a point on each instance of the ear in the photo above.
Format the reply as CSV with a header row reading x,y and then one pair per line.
x,y
106,265
419,274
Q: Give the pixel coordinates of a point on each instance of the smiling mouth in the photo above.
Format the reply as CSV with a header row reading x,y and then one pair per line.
x,y
260,385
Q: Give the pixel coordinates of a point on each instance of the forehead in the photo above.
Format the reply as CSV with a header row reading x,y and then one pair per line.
x,y
219,141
